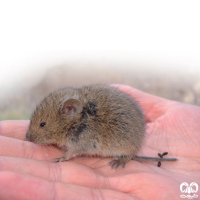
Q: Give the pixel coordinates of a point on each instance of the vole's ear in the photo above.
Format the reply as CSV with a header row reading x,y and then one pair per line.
x,y
71,107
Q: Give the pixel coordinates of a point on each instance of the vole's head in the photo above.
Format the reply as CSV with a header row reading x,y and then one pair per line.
x,y
53,118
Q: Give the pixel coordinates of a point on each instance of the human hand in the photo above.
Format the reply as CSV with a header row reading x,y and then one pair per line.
x,y
27,173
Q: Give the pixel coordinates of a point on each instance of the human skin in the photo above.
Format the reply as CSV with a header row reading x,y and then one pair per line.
x,y
26,171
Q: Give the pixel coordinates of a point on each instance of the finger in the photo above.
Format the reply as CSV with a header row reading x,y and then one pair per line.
x,y
79,174
24,149
152,106
25,187
66,172
14,128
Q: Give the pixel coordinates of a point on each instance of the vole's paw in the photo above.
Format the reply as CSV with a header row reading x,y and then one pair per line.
x,y
67,156
120,161
55,160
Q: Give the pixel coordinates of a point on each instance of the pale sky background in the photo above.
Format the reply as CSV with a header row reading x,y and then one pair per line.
x,y
18,65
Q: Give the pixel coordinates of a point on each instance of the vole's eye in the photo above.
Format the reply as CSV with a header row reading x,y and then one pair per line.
x,y
42,124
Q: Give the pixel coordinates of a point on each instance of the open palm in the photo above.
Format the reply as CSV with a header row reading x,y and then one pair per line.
x,y
27,173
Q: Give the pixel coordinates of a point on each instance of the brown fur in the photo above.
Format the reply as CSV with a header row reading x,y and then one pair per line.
x,y
92,120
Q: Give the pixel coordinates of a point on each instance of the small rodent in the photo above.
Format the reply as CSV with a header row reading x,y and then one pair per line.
x,y
92,120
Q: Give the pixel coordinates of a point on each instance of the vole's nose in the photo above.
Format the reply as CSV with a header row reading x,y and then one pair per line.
x,y
28,135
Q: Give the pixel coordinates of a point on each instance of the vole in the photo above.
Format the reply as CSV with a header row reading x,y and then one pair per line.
x,y
92,120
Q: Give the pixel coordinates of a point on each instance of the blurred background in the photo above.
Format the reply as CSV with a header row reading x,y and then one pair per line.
x,y
27,76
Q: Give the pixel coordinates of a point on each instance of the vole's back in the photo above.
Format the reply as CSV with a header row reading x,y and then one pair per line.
x,y
115,119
